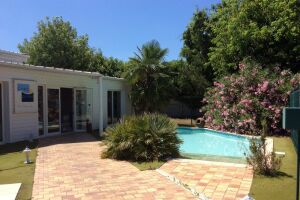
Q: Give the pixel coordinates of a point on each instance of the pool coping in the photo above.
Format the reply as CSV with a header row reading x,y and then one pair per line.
x,y
230,133
207,162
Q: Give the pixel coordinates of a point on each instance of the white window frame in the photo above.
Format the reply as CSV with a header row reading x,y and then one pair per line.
x,y
112,105
75,109
45,110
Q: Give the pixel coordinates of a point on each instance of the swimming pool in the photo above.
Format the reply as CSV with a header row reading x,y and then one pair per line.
x,y
198,141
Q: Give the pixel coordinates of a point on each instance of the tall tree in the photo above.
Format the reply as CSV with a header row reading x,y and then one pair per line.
x,y
113,67
107,66
189,83
196,43
194,74
57,44
263,30
147,74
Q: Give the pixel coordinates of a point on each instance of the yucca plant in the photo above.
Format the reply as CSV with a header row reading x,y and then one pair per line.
x,y
147,137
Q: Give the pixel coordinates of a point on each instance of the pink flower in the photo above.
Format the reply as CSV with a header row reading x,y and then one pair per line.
x,y
217,84
246,102
242,66
264,86
225,113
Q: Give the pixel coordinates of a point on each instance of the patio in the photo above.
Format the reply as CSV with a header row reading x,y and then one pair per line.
x,y
70,167
215,180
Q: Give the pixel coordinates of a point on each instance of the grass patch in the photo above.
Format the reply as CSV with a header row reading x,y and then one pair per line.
x,y
148,165
282,186
13,169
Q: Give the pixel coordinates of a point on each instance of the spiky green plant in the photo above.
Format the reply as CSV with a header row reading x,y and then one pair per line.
x,y
147,137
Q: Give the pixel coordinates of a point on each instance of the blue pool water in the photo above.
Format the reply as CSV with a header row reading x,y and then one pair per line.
x,y
212,143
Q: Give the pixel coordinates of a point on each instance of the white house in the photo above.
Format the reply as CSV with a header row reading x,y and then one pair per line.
x,y
37,101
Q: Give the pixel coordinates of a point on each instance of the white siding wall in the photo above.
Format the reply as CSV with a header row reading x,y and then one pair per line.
x,y
23,126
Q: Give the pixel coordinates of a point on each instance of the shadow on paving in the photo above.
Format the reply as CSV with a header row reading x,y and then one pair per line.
x,y
67,139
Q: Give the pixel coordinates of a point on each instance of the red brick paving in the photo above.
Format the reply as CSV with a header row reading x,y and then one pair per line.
x,y
70,167
214,180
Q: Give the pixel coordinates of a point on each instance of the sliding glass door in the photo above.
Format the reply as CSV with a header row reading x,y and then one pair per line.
x,y
116,106
1,115
53,111
113,106
67,110
83,108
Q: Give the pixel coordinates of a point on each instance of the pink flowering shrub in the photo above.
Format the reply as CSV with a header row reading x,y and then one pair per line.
x,y
240,102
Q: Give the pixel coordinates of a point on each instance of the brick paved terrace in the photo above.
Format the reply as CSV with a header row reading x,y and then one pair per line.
x,y
70,167
214,180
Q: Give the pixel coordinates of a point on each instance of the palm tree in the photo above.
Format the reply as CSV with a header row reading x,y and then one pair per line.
x,y
148,77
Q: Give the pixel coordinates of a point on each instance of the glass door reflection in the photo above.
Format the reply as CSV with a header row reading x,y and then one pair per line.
x,y
83,109
53,111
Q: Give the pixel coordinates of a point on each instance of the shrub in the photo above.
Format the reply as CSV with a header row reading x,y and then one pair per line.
x,y
147,137
262,161
238,103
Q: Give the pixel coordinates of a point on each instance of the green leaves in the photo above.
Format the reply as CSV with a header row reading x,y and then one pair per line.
x,y
148,76
197,41
266,31
147,137
57,44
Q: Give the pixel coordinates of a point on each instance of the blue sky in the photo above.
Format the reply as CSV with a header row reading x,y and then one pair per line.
x,y
116,27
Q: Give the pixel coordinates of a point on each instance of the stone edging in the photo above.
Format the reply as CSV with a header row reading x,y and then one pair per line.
x,y
222,132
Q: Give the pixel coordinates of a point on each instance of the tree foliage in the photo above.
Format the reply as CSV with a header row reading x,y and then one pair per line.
x,y
266,31
56,43
196,43
189,84
147,73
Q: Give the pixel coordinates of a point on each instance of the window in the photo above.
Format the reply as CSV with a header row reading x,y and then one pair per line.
x,y
113,106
